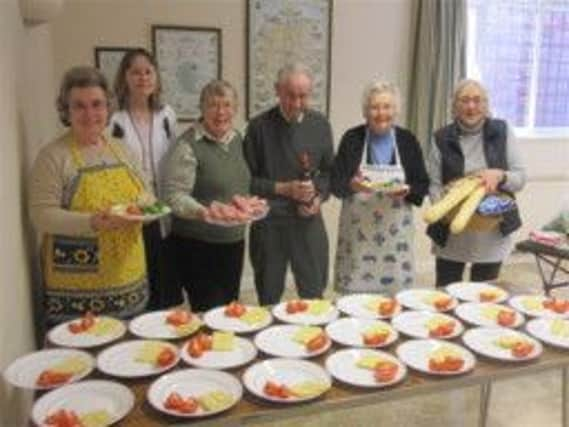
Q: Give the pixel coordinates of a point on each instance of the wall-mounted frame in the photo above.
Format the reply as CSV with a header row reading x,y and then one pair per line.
x,y
108,59
188,58
279,32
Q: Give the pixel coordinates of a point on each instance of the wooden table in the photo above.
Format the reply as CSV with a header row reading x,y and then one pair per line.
x,y
550,255
251,410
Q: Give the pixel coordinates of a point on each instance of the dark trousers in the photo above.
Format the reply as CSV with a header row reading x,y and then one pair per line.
x,y
209,272
302,242
452,271
164,291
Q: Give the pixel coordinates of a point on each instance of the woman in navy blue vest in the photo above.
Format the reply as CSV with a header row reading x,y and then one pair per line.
x,y
474,143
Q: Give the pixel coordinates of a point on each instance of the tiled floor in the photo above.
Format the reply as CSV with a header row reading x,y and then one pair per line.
x,y
525,402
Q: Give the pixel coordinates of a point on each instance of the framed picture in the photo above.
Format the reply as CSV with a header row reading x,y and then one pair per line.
x,y
280,32
108,59
188,58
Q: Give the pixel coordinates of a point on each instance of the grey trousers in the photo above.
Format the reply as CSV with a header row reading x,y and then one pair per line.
x,y
301,241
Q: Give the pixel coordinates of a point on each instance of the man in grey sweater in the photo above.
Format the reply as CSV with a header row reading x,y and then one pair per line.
x,y
289,151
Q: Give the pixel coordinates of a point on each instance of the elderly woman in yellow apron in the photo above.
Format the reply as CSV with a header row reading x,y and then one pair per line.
x,y
375,237
92,260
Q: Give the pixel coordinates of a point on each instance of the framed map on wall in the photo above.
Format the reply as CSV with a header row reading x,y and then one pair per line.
x,y
108,59
188,58
284,31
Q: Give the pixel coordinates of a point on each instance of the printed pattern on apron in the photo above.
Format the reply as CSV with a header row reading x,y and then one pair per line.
x,y
106,273
375,237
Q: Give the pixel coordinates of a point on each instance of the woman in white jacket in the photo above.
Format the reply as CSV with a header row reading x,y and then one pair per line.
x,y
147,127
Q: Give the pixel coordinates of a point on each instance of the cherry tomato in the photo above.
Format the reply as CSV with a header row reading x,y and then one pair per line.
x,y
166,357
506,318
385,371
386,308
375,339
522,349
195,349
317,342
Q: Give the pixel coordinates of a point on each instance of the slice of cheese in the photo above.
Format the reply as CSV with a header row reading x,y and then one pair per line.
x,y
318,307
187,329
149,352
254,315
369,362
533,303
436,321
491,312
507,342
215,400
74,365
100,418
559,328
444,351
432,296
308,388
372,304
377,330
104,326
223,341
305,334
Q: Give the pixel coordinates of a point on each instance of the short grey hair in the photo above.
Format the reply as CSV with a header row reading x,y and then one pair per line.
x,y
378,87
463,84
291,69
81,77
219,88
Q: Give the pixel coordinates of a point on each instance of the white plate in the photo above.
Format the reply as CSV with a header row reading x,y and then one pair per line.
x,y
195,383
416,354
348,331
303,318
61,335
242,354
414,324
343,366
470,291
284,372
483,341
216,319
473,313
153,325
277,341
541,329
355,305
518,302
146,218
84,397
223,223
25,370
119,360
416,299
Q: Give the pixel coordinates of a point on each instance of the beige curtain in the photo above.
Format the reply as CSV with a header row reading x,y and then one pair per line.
x,y
439,61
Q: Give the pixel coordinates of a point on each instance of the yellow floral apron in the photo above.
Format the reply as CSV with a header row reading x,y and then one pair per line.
x,y
105,273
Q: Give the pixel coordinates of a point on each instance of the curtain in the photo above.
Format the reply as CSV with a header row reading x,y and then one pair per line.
x,y
439,62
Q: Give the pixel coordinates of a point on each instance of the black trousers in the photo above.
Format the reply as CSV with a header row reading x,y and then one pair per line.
x,y
164,291
451,271
209,272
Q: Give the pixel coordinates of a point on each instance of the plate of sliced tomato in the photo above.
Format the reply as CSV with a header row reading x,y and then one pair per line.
x,y
286,380
165,324
237,317
284,341
502,344
87,331
355,332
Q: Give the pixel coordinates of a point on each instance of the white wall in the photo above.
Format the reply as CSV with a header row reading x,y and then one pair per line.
x,y
20,117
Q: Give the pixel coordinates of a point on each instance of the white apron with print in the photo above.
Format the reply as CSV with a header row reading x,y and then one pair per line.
x,y
375,237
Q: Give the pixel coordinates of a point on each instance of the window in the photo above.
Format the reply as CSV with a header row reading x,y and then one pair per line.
x,y
519,49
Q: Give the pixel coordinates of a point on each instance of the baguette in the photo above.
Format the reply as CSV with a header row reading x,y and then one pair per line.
x,y
457,193
467,209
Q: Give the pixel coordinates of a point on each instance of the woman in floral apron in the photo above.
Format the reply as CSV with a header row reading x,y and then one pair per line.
x,y
375,237
92,260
